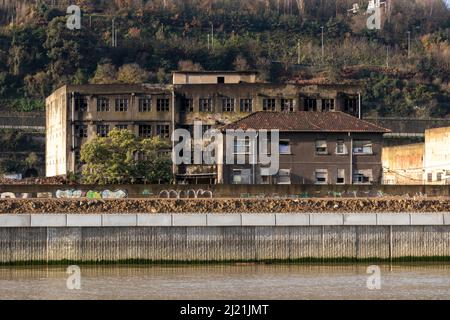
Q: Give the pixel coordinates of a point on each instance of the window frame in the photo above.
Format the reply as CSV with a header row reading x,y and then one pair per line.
x,y
103,104
145,130
269,104
144,104
246,105
228,104
320,171
205,105
121,104
316,147
287,105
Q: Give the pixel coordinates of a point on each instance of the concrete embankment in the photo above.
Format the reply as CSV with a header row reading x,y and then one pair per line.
x,y
169,238
10,206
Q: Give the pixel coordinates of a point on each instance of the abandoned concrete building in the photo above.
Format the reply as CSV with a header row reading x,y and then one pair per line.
x,y
314,148
425,163
75,113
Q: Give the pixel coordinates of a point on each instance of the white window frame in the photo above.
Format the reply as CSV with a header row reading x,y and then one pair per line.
x,y
321,171
317,146
344,147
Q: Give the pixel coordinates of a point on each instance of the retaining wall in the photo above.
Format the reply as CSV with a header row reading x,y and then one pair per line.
x,y
215,237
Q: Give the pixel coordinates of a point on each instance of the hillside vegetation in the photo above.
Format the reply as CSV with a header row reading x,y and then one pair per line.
x,y
279,38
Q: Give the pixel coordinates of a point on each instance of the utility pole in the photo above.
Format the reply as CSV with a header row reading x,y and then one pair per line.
x,y
298,52
212,36
113,37
323,50
208,43
387,56
409,44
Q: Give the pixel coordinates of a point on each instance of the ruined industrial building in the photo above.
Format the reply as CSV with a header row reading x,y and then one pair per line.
x,y
75,113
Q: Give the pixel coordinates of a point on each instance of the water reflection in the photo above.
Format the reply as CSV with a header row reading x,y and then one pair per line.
x,y
346,281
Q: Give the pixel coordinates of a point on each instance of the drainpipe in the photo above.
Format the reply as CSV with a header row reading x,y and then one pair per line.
x,y
255,149
173,129
359,105
72,105
351,158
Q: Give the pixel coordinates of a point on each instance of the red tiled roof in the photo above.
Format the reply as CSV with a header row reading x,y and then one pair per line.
x,y
305,121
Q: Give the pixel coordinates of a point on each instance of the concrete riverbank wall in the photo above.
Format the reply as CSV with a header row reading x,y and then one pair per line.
x,y
26,238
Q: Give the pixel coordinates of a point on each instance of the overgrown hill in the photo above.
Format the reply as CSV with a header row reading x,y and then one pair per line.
x,y
279,38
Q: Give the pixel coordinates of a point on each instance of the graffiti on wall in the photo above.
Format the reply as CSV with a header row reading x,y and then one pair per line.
x,y
185,194
91,194
69,194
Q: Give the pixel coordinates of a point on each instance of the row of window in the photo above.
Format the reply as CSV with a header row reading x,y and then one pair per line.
x,y
145,131
122,104
205,104
360,147
244,176
246,105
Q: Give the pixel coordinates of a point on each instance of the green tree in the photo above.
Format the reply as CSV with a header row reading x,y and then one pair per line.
x,y
121,157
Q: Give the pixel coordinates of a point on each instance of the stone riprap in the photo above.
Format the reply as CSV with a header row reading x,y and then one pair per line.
x,y
393,205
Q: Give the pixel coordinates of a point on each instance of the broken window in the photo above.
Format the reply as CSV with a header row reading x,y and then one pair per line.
x,y
121,105
321,147
81,104
284,176
205,105
163,131
228,105
145,104
340,178
102,104
340,147
102,130
351,105
327,104
145,131
310,104
269,104
362,147
81,131
246,105
162,104
287,105
285,147
362,176
188,105
241,176
321,176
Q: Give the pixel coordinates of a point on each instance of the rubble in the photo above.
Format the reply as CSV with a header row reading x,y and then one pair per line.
x,y
151,206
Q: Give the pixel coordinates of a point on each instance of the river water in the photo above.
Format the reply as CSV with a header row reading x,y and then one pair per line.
x,y
346,281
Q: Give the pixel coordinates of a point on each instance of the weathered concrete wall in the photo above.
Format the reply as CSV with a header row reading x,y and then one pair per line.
x,y
403,164
240,191
437,156
250,243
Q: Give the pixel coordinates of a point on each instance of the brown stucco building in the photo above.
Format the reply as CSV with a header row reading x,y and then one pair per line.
x,y
76,113
315,148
